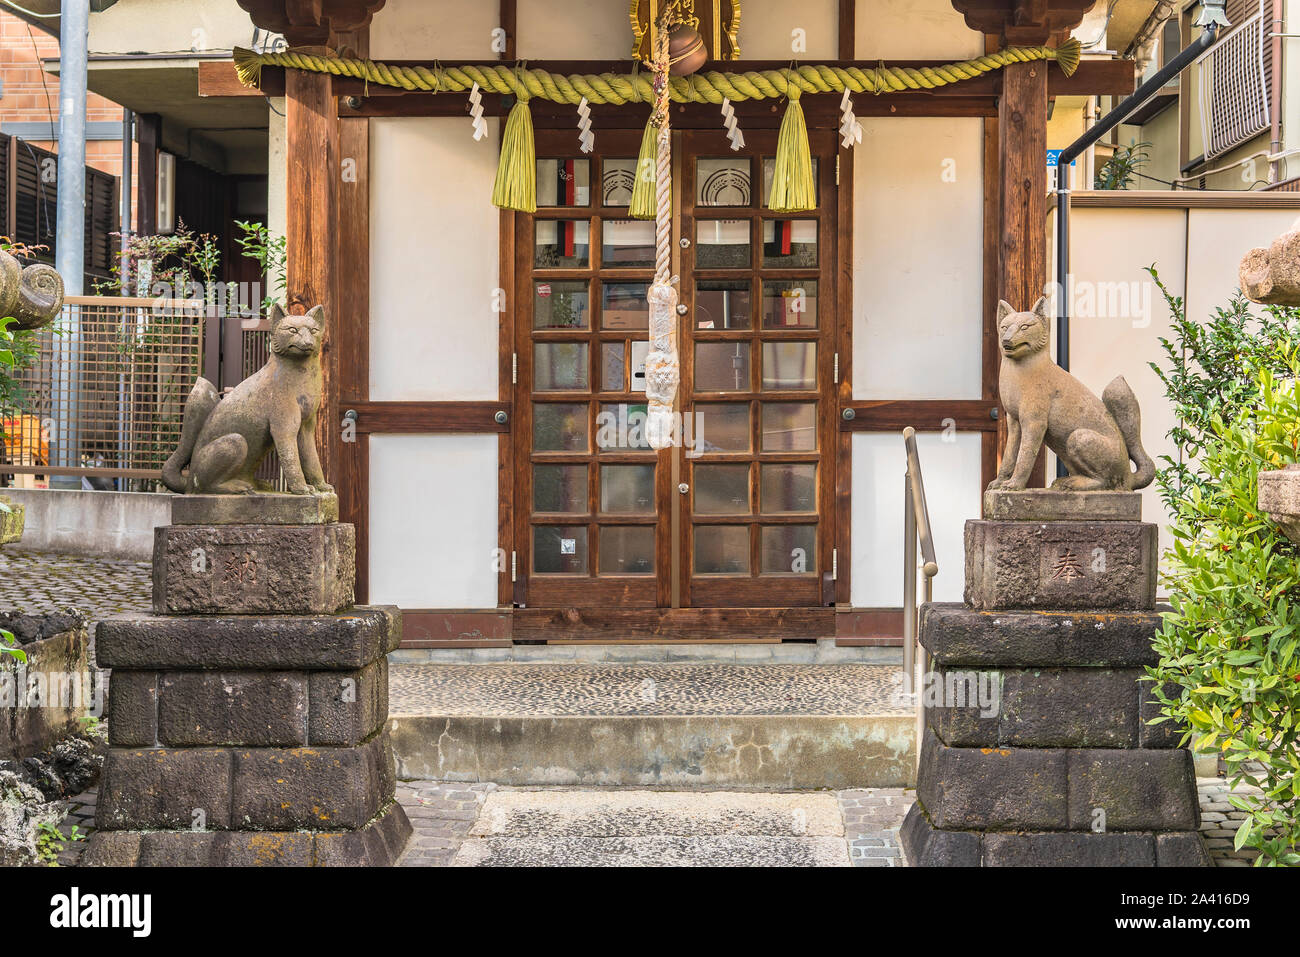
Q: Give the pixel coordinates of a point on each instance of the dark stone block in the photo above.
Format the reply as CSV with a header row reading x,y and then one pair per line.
x,y
1060,565
926,846
43,699
1137,789
1182,849
344,642
239,708
1069,850
958,636
1069,708
953,700
992,788
1166,734
133,709
271,508
164,788
379,844
312,788
253,569
348,706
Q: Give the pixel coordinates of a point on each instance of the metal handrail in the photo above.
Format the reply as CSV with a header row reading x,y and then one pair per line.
x,y
916,528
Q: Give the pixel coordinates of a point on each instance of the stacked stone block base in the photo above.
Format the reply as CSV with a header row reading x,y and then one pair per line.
x,y
257,735
1037,746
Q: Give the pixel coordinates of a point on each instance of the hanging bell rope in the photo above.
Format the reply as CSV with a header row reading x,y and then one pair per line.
x,y
793,189
618,89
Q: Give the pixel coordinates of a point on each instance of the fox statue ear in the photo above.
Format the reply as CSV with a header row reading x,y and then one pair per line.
x,y
1040,309
277,313
1004,309
317,315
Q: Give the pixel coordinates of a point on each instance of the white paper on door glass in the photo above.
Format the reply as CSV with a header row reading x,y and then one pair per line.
x,y
433,521
951,470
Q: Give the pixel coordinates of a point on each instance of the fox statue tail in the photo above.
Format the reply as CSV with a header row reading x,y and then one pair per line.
x,y
1122,404
202,400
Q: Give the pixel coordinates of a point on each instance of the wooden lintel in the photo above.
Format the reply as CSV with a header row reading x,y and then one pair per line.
x,y
924,415
218,78
429,417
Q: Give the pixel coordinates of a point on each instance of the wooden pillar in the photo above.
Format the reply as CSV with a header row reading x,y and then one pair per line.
x,y
311,230
148,134
1022,172
1022,191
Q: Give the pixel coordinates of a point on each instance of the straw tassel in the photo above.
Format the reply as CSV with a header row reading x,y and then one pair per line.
x,y
793,190
516,184
643,191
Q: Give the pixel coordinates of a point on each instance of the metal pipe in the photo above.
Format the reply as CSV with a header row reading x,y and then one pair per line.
x,y
69,255
1107,123
909,584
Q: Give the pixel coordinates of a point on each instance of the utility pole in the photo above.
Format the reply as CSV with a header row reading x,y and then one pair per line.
x,y
70,239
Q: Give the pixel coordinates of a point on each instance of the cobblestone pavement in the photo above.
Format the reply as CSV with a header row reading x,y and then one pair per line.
x,y
98,587
515,689
462,824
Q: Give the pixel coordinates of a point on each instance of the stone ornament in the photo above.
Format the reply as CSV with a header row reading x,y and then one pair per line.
x,y
1272,276
1095,438
224,440
33,295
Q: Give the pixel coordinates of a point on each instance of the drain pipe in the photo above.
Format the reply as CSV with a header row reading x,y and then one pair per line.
x,y
1107,123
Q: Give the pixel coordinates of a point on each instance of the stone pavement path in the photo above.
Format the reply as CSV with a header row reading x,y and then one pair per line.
x,y
98,587
480,825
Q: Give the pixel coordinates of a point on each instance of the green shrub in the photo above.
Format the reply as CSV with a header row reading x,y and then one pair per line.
x,y
1229,669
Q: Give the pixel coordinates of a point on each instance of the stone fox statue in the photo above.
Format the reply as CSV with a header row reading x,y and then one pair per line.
x,y
1095,438
223,440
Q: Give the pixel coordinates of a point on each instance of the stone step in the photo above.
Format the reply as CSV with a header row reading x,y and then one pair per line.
x,y
682,725
667,851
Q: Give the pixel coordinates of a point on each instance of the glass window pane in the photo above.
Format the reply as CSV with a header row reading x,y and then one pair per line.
x,y
559,366
789,426
789,488
559,488
559,427
559,549
627,244
722,304
789,365
789,243
789,549
627,489
618,178
721,489
723,182
722,244
722,549
769,167
722,367
561,243
627,550
620,427
563,182
611,367
720,427
790,304
623,305
561,305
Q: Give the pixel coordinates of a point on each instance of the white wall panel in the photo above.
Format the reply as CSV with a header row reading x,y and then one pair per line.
x,y
433,261
918,258
951,469
574,30
767,26
433,520
444,30
914,30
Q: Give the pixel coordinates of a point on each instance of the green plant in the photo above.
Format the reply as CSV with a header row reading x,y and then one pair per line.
x,y
1122,166
8,643
257,242
51,842
1228,668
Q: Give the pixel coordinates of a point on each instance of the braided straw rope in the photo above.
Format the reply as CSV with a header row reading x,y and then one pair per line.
x,y
710,87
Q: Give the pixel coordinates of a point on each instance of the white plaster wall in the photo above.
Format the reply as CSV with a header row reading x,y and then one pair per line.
x,y
767,28
445,30
951,469
433,520
577,30
165,26
918,258
434,255
277,169
914,30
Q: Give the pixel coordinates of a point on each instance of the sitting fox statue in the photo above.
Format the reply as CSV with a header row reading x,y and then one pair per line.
x,y
224,440
1095,438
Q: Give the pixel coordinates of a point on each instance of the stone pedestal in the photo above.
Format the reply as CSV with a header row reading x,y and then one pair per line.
x,y
247,716
1036,747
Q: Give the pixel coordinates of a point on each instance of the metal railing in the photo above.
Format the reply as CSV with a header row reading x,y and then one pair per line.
x,y
916,530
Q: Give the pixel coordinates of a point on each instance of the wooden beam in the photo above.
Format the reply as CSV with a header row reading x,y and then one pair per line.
x,y
848,29
218,78
924,415
311,231
418,418
148,134
509,23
